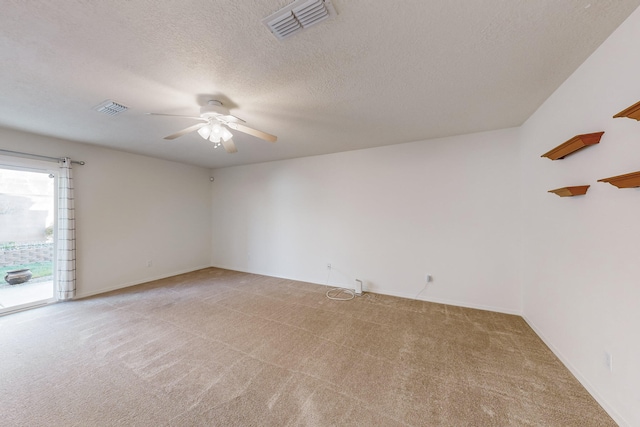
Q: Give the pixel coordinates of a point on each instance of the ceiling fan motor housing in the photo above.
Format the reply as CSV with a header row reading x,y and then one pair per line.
x,y
213,109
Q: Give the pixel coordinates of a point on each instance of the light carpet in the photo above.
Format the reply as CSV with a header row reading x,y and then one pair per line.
x,y
223,348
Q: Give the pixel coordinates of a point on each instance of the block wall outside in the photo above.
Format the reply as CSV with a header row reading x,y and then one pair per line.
x,y
26,253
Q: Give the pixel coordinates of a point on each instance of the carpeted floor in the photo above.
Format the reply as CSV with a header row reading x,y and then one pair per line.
x,y
223,348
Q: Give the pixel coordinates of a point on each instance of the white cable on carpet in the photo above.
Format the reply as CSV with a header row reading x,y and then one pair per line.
x,y
340,291
350,294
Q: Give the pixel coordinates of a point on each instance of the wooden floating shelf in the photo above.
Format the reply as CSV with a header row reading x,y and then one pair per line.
x,y
571,191
574,144
629,180
632,112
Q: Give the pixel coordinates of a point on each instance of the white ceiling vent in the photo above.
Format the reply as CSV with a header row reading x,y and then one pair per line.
x,y
297,16
111,108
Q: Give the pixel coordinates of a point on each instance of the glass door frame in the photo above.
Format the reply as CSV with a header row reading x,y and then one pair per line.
x,y
38,166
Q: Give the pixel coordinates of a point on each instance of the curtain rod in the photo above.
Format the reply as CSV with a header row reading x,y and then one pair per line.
x,y
37,156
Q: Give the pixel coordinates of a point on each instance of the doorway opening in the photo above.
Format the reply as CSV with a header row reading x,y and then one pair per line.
x,y
27,228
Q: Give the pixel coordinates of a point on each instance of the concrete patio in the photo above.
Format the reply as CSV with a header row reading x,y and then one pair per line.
x,y
24,293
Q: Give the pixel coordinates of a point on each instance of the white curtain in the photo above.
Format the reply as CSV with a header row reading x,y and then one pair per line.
x,y
66,240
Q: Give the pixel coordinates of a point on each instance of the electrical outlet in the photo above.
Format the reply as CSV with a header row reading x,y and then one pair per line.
x,y
427,278
149,263
328,266
608,361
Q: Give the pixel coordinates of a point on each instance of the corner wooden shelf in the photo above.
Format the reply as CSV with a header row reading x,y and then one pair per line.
x,y
632,112
571,191
574,144
629,180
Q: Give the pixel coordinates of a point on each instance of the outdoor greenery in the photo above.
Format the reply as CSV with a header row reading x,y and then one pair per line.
x,y
39,269
7,245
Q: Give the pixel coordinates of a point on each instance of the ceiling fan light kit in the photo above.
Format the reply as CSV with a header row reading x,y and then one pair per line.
x,y
215,132
216,120
205,131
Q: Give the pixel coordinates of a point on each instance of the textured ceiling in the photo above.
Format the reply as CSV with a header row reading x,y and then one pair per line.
x,y
379,73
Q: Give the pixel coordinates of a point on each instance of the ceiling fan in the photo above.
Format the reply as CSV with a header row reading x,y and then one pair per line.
x,y
215,121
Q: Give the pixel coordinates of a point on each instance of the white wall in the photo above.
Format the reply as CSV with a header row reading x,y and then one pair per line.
x,y
387,216
130,209
581,255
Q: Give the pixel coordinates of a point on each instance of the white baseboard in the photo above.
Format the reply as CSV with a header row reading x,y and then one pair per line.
x,y
445,301
581,378
138,282
393,293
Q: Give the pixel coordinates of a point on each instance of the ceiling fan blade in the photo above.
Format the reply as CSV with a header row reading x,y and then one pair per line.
x,y
177,115
229,146
254,132
231,118
186,131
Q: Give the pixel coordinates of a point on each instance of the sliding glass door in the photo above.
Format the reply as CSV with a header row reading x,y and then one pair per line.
x,y
27,224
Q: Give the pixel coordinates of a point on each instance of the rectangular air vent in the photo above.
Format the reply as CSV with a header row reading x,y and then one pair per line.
x,y
111,108
297,16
